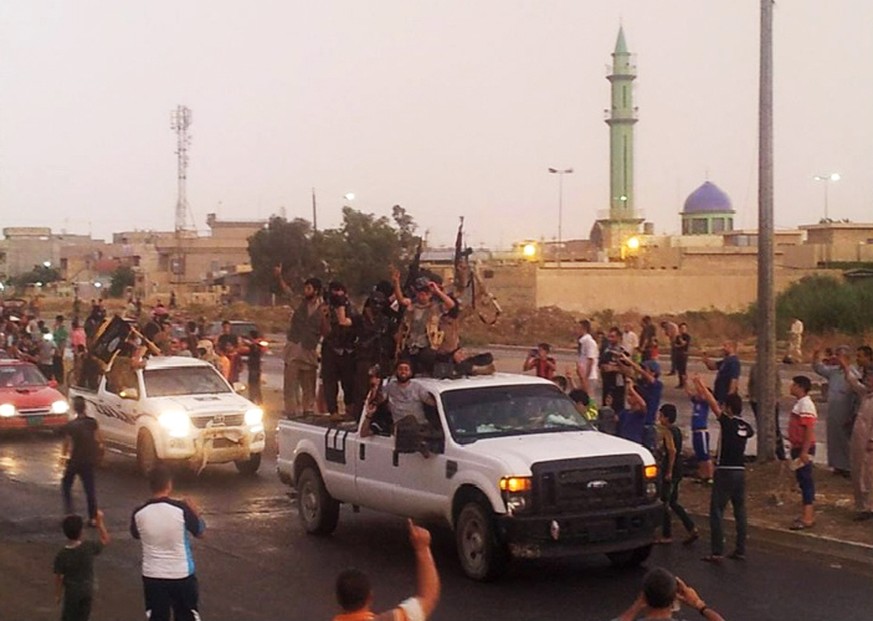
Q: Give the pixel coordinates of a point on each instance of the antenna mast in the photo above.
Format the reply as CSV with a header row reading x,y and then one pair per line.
x,y
180,121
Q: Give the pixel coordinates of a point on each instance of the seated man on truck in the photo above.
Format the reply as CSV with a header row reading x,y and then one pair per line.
x,y
406,401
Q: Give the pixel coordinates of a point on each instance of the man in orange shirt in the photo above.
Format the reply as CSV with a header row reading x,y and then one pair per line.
x,y
355,595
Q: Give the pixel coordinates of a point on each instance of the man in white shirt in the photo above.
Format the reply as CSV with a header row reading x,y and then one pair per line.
x,y
163,524
629,340
589,353
795,341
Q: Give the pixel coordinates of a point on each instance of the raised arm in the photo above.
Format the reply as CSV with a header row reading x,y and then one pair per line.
x,y
428,579
706,393
634,399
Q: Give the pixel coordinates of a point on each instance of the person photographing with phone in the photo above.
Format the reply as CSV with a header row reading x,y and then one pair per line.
x,y
664,594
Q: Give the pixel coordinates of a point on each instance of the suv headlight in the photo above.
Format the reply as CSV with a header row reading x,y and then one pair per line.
x,y
60,407
254,417
516,493
7,410
176,423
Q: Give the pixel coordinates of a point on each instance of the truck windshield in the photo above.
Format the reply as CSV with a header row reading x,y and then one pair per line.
x,y
496,411
183,381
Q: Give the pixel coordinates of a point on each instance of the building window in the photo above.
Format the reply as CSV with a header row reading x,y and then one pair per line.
x,y
699,226
163,262
718,225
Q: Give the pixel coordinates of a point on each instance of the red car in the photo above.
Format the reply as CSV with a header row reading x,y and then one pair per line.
x,y
27,400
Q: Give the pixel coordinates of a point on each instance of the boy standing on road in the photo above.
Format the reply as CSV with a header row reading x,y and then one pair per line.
x,y
700,434
669,449
74,568
801,435
355,595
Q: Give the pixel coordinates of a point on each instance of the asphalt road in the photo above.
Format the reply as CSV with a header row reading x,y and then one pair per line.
x,y
257,563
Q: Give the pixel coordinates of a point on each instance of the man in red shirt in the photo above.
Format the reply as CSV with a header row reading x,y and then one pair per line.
x,y
540,360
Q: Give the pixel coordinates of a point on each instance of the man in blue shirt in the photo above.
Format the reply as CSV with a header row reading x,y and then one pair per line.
x,y
727,377
650,388
700,433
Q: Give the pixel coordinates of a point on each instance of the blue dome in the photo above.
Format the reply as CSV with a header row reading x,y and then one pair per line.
x,y
708,198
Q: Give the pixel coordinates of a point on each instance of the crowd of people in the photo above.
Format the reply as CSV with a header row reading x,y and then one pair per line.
x,y
622,369
413,329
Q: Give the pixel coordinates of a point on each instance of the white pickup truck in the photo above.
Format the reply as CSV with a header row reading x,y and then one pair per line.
x,y
181,411
514,470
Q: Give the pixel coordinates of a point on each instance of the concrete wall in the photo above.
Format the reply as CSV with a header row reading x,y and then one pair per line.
x,y
654,291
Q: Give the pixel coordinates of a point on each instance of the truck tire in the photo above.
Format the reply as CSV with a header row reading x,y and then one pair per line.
x,y
630,558
483,556
248,467
146,454
319,512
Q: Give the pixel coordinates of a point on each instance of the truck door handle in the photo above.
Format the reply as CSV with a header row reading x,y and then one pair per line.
x,y
362,452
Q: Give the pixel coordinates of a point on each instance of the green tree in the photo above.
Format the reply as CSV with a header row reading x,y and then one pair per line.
x,y
286,244
122,278
825,304
39,273
360,252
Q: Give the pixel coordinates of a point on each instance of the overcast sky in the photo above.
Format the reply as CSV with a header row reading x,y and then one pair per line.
x,y
448,108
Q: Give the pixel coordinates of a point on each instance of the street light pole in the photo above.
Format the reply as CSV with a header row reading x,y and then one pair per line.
x,y
560,173
827,179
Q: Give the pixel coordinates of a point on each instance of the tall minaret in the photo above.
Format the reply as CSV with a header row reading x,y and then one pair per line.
x,y
621,120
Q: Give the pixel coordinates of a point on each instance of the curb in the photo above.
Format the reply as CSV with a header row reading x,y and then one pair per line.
x,y
850,552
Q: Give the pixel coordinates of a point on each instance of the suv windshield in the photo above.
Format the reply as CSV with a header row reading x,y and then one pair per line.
x,y
496,411
183,381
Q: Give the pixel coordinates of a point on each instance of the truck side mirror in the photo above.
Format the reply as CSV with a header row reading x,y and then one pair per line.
x,y
239,387
129,393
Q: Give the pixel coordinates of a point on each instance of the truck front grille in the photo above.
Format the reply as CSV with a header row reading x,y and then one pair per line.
x,y
588,484
226,420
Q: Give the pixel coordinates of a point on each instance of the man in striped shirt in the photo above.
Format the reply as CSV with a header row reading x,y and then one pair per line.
x,y
164,524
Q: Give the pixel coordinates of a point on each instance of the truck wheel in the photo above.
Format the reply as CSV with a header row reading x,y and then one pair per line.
x,y
319,513
630,558
146,455
248,467
483,556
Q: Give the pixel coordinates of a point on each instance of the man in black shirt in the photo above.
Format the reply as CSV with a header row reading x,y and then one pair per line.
x,y
729,483
82,450
256,352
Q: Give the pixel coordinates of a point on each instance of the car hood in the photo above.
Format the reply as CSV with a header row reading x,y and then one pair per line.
x,y
30,396
518,453
204,404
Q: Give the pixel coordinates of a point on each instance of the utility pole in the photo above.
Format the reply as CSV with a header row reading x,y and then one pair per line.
x,y
766,355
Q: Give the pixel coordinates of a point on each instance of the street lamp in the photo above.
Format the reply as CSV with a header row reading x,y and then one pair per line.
x,y
560,173
827,179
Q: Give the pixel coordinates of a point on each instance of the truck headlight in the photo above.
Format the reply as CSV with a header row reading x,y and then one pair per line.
x,y
254,417
651,475
176,423
7,410
516,493
60,407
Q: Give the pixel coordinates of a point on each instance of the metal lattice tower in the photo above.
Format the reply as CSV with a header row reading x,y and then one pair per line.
x,y
180,121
